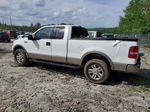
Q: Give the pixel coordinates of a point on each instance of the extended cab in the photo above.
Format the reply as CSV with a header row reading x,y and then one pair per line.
x,y
68,45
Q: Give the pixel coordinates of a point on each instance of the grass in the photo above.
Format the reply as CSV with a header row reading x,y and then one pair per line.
x,y
143,88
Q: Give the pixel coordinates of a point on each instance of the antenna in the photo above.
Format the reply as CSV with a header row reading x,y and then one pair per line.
x,y
10,21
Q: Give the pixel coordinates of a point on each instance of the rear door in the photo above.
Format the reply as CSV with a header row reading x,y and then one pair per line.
x,y
59,44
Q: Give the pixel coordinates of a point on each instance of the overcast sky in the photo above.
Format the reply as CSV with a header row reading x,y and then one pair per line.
x,y
88,13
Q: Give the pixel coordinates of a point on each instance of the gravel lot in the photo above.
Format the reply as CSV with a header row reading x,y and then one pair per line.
x,y
45,88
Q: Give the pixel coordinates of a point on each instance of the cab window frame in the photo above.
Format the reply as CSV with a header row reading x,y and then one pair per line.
x,y
56,31
50,31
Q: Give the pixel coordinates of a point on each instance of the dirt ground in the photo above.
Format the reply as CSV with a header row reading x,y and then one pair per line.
x,y
45,88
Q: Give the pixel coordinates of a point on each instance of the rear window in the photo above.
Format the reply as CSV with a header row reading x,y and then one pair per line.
x,y
58,33
79,32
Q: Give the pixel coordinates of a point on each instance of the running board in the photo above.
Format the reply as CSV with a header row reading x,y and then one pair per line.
x,y
55,64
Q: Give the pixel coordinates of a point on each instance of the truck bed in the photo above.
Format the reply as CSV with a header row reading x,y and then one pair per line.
x,y
122,39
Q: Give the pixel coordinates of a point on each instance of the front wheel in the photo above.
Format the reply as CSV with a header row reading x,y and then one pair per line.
x,y
20,57
97,71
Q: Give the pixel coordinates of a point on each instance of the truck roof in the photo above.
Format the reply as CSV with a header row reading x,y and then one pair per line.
x,y
60,25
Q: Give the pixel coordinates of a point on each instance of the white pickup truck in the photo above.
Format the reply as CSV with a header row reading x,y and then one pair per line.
x,y
68,45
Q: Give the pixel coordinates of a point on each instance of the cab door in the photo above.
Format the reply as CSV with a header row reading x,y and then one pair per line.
x,y
40,47
59,44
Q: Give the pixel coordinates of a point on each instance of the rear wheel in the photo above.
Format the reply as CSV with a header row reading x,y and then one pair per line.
x,y
97,71
20,57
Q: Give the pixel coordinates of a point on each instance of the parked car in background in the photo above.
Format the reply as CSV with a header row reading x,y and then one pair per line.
x,y
94,34
4,37
25,33
12,34
107,35
20,32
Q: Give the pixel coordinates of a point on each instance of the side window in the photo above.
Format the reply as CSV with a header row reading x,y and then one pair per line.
x,y
58,33
79,32
43,33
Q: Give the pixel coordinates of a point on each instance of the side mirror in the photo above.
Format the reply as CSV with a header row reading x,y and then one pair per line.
x,y
30,37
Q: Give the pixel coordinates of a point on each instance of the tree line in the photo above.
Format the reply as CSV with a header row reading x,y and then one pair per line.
x,y
137,17
31,28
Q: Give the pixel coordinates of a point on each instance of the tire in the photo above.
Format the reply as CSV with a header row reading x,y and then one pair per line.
x,y
97,71
20,57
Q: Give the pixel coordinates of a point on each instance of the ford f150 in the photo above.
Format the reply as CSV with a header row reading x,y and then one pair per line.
x,y
68,45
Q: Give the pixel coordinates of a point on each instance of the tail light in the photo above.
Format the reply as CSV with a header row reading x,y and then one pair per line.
x,y
133,52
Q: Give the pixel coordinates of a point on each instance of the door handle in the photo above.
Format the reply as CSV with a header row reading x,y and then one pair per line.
x,y
25,41
48,44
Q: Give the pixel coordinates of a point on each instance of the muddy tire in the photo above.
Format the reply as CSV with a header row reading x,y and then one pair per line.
x,y
20,57
97,71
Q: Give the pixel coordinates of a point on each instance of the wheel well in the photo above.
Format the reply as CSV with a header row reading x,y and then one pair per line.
x,y
17,47
96,56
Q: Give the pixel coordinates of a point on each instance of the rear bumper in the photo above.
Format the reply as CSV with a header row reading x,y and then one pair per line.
x,y
133,68
128,68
